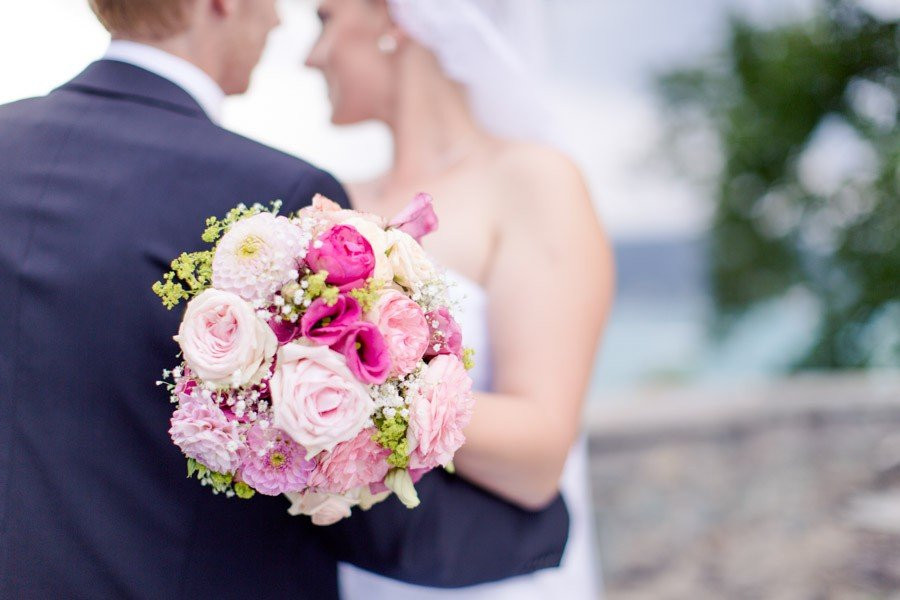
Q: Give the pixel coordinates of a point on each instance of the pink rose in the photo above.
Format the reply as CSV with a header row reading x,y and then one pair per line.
x,y
326,325
439,412
345,254
316,399
224,342
324,508
353,464
446,335
418,219
402,323
366,353
203,433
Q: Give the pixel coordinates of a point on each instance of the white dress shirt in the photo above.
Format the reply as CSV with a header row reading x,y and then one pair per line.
x,y
188,76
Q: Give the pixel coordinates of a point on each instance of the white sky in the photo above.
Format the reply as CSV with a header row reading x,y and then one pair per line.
x,y
605,52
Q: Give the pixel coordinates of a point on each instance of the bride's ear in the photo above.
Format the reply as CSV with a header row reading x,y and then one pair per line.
x,y
383,9
222,8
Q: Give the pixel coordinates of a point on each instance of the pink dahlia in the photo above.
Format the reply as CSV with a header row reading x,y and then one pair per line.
x,y
202,431
439,412
258,256
274,463
353,464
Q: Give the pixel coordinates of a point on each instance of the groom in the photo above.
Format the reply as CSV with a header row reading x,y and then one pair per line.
x,y
102,182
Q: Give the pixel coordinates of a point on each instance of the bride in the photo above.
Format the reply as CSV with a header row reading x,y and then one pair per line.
x,y
518,235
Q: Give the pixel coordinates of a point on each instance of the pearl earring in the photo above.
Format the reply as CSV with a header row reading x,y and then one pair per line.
x,y
387,44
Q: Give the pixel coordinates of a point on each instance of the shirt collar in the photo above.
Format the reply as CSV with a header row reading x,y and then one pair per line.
x,y
191,78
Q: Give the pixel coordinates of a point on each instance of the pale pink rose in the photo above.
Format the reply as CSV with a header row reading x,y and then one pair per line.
x,y
326,214
316,399
403,325
201,430
324,508
359,462
224,342
418,219
258,255
439,412
323,204
411,265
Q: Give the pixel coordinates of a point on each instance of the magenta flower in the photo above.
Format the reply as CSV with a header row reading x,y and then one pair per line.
x,y
446,336
418,219
366,353
345,254
326,325
285,331
274,463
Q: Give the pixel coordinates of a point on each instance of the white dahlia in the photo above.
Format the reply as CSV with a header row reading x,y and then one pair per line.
x,y
258,256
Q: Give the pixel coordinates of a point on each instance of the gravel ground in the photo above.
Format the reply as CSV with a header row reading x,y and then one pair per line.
x,y
786,491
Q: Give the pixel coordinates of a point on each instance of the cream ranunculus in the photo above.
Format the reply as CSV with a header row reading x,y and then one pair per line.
x,y
316,399
223,341
378,239
411,265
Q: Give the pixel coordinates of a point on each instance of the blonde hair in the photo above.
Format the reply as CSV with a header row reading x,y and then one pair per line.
x,y
152,19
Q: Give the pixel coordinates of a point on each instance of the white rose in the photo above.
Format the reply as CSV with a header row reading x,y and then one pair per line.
x,y
325,509
378,239
316,399
223,341
412,267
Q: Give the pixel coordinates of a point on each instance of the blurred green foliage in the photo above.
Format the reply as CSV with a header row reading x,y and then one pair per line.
x,y
782,220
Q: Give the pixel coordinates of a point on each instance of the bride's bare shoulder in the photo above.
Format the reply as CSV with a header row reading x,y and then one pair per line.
x,y
539,173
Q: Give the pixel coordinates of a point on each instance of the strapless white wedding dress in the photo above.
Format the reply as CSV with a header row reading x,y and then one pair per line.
x,y
578,577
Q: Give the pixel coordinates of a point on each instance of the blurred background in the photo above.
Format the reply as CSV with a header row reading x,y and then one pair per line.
x,y
745,157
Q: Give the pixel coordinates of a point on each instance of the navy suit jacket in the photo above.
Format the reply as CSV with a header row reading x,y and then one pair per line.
x,y
102,183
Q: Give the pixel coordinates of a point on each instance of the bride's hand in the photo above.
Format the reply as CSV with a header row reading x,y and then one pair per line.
x,y
550,288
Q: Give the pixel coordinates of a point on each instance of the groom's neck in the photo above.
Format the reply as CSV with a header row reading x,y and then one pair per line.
x,y
189,47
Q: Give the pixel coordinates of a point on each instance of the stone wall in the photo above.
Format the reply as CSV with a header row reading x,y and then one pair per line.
x,y
786,490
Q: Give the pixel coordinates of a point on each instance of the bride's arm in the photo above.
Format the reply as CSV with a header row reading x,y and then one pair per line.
x,y
550,288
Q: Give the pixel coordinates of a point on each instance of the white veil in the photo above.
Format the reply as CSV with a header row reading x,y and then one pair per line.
x,y
497,50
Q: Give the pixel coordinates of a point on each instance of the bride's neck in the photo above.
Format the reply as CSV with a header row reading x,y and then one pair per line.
x,y
432,125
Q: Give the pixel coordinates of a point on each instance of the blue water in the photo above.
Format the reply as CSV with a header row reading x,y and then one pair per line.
x,y
659,328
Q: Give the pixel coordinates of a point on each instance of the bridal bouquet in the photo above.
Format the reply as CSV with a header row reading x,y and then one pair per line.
x,y
320,358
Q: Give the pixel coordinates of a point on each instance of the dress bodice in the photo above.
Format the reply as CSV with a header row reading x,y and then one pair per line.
x,y
578,577
471,312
